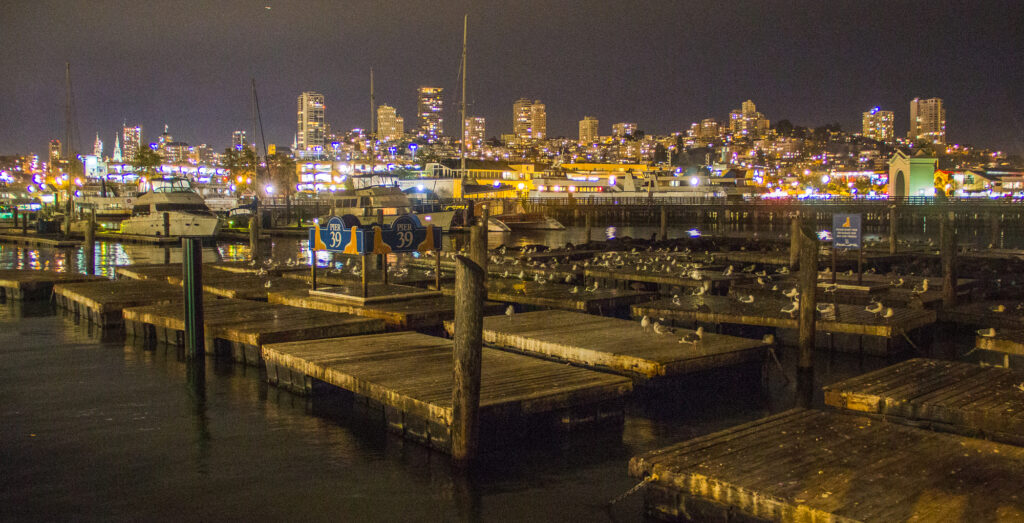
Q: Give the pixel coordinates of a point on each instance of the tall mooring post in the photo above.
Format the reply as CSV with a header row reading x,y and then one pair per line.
x,y
470,292
994,221
808,309
794,239
894,225
589,223
89,245
947,246
478,240
254,237
192,276
663,232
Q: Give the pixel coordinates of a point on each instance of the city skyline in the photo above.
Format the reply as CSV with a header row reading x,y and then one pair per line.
x,y
859,57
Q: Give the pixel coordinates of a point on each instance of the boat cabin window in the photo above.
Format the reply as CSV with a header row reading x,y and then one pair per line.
x,y
140,209
345,202
364,201
160,207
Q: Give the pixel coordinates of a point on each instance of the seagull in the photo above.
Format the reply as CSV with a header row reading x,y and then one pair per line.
x,y
825,308
791,309
522,275
897,283
676,300
592,288
830,288
728,271
998,308
783,270
923,288
987,333
645,322
889,313
791,293
568,278
768,339
661,329
875,307
747,299
693,337
695,274
700,291
267,285
575,290
761,281
509,311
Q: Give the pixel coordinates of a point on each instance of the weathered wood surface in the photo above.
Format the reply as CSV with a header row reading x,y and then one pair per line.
x,y
561,296
678,278
255,323
616,345
410,374
242,286
38,241
413,276
1008,341
848,319
28,284
103,301
151,271
810,465
376,292
960,397
982,314
421,313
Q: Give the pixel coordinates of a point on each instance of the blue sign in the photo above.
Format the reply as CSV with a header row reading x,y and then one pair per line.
x,y
405,234
846,231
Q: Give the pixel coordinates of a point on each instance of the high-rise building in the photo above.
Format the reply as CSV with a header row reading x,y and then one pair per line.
x,y
588,129
55,154
238,140
476,130
878,125
131,140
97,147
311,124
429,107
390,126
622,129
927,120
117,149
709,129
747,122
530,119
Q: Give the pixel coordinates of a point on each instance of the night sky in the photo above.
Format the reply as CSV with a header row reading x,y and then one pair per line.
x,y
662,64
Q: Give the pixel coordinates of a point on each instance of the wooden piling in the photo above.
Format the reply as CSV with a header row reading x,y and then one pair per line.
x,y
589,220
894,225
808,247
192,274
994,233
24,224
794,239
90,244
947,245
470,292
478,240
254,237
663,232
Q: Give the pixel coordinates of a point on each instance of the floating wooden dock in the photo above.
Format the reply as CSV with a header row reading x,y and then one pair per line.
x,y
810,466
102,302
420,313
242,286
1005,348
150,271
409,377
239,328
718,280
848,319
982,314
965,398
37,241
28,284
561,296
616,345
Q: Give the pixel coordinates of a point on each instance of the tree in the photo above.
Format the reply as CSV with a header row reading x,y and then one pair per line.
x,y
784,128
146,161
240,162
282,175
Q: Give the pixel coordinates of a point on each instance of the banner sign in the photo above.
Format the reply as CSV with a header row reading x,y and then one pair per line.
x,y
846,231
347,236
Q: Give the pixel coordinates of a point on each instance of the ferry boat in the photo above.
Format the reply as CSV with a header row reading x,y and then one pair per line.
x,y
186,212
389,200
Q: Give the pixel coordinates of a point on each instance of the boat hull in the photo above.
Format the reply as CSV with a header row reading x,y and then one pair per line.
x,y
180,224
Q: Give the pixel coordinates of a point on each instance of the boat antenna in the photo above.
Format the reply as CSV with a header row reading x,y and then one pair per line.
x,y
462,140
373,127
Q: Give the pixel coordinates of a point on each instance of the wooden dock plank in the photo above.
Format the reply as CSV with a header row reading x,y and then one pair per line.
x,y
28,284
561,296
616,345
960,397
808,465
849,319
103,301
242,285
419,313
981,314
411,372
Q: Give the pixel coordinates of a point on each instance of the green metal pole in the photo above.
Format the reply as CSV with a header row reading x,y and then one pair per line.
x,y
192,267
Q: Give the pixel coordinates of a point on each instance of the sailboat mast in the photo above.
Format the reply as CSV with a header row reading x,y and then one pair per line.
x,y
68,149
373,127
462,141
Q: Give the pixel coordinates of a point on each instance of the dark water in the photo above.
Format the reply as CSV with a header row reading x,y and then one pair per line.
x,y
93,429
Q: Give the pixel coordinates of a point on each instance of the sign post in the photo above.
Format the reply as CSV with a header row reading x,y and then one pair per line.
x,y
846,234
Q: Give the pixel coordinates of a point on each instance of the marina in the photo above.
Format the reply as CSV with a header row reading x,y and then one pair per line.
x,y
23,284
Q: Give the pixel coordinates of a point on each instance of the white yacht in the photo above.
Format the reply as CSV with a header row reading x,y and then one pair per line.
x,y
186,212
391,201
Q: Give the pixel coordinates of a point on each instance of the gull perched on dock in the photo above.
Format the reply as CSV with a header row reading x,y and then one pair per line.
x,y
645,323
791,293
897,282
875,307
575,290
693,337
676,300
592,288
987,333
509,311
921,289
661,329
792,308
998,308
747,299
889,313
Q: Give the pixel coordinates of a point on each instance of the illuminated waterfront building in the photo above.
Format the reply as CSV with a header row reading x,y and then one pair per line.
x,y
97,147
588,129
238,140
117,157
709,129
55,154
746,121
131,140
927,120
623,129
878,125
476,129
429,107
390,126
311,124
530,120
